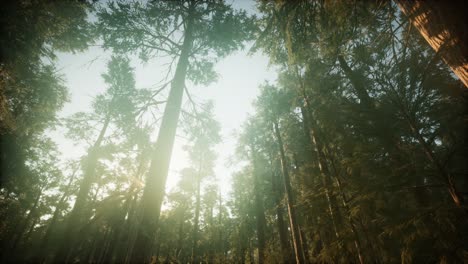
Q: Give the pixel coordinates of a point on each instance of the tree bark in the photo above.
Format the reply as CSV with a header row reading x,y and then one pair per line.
x,y
298,250
284,240
323,166
357,240
153,193
443,25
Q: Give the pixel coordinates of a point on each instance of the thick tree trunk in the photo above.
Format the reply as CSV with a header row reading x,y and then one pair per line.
x,y
74,220
153,193
443,25
298,250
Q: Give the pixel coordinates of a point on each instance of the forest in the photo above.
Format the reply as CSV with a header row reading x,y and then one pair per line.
x,y
356,151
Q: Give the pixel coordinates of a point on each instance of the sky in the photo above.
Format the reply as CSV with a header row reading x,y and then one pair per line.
x,y
239,77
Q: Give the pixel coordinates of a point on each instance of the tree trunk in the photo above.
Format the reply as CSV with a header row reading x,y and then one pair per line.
x,y
220,252
284,240
43,252
251,253
31,229
443,25
323,167
195,252
24,224
357,83
153,193
74,220
132,222
213,238
180,239
357,240
305,245
445,175
259,210
370,111
298,251
116,238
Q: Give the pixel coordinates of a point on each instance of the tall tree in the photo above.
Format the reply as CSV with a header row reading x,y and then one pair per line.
x,y
443,26
203,133
115,105
31,90
191,32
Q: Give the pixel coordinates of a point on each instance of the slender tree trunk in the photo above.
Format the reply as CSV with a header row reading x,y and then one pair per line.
x,y
381,126
92,251
323,167
445,175
19,234
195,252
153,193
220,228
357,240
305,245
282,231
242,250
116,237
74,220
311,134
158,252
357,83
443,25
298,251
251,254
181,233
125,254
259,210
43,252
105,244
132,222
24,224
212,239
31,229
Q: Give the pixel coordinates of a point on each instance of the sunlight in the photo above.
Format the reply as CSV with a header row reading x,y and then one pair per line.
x,y
237,131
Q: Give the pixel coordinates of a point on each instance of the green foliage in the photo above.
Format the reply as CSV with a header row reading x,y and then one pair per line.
x,y
155,28
362,134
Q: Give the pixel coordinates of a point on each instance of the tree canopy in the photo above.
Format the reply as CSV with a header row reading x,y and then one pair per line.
x,y
355,153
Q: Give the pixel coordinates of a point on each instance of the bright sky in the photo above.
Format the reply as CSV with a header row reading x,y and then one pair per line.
x,y
233,94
